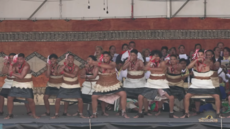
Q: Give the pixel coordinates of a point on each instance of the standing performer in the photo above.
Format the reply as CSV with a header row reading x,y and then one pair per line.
x,y
22,86
107,83
135,81
8,83
175,79
70,88
201,83
54,83
157,83
90,74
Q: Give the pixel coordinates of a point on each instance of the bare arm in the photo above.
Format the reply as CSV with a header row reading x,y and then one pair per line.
x,y
126,65
159,69
191,65
23,73
5,69
105,66
48,70
74,74
95,72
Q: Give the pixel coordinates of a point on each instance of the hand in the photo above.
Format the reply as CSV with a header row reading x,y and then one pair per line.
x,y
199,59
130,58
152,58
66,62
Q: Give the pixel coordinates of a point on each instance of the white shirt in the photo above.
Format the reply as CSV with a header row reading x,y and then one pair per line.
x,y
126,55
115,57
183,56
121,75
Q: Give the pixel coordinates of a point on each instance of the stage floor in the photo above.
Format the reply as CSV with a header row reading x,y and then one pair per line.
x,y
21,120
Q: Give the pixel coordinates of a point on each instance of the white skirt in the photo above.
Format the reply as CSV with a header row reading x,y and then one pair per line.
x,y
8,83
134,83
202,84
88,87
157,84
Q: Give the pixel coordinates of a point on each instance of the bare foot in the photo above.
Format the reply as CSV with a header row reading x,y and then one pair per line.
x,y
94,116
139,115
124,115
79,114
175,116
147,113
186,115
9,117
66,114
228,117
46,114
158,113
104,114
36,117
55,116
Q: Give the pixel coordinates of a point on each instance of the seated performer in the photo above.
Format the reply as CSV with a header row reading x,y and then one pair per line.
x,y
201,83
90,74
54,83
70,88
135,81
157,83
175,79
8,83
107,83
22,86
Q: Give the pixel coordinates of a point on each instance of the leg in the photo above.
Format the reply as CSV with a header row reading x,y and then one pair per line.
x,y
140,105
186,105
171,105
217,103
66,106
160,103
94,105
122,94
197,105
146,105
103,105
47,105
1,104
32,107
57,107
80,108
28,109
10,105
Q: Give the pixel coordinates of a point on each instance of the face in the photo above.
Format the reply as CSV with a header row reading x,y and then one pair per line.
x,y
20,60
11,58
198,47
53,60
173,60
112,50
226,53
125,48
70,59
157,58
133,56
200,55
131,46
146,53
209,55
164,52
181,49
217,51
89,60
183,64
106,58
221,46
172,52
98,51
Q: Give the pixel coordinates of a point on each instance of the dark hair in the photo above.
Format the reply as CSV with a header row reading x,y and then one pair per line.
x,y
181,46
134,51
164,47
53,56
106,52
132,42
220,43
21,55
172,48
93,58
124,45
227,48
12,54
181,60
201,51
215,48
71,55
118,59
156,52
173,56
111,47
198,45
213,58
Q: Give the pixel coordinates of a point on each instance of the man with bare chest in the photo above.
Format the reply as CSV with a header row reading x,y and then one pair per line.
x,y
22,87
201,83
135,81
107,83
175,78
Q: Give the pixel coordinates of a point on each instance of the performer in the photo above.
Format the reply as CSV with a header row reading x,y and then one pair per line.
x,y
54,83
107,83
135,81
8,83
90,74
157,83
22,86
70,88
175,79
201,83
126,55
